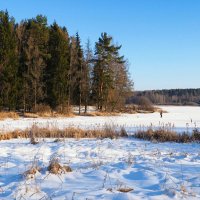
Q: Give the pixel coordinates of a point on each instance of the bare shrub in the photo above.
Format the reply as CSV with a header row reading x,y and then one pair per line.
x,y
143,104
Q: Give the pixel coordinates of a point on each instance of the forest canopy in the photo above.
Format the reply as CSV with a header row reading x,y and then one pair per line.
x,y
41,64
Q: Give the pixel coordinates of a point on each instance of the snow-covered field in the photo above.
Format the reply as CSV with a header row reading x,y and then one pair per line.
x,y
179,118
101,168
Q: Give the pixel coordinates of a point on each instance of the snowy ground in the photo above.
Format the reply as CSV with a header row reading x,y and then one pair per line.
x,y
100,168
178,118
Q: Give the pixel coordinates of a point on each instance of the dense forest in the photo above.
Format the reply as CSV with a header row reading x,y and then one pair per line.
x,y
41,64
169,97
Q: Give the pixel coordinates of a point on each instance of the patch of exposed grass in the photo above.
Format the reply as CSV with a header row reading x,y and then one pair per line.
x,y
56,168
5,115
124,190
47,114
94,114
70,132
31,172
162,135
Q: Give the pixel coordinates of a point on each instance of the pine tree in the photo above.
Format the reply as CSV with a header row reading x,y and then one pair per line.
x,y
43,65
33,37
8,62
57,74
107,58
77,62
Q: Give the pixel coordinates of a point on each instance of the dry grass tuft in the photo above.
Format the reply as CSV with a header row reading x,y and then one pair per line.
x,y
5,115
56,168
35,132
30,115
33,141
58,140
125,190
95,114
162,135
47,114
14,134
123,132
31,172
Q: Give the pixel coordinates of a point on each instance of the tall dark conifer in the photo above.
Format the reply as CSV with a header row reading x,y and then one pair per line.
x,y
33,37
77,61
41,64
104,73
8,62
57,74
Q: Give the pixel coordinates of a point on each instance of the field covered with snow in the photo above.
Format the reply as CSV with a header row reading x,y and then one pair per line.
x,y
103,168
100,169
178,118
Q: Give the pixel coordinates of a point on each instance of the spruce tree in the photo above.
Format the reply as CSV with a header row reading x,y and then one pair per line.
x,y
33,37
57,73
8,62
77,62
104,73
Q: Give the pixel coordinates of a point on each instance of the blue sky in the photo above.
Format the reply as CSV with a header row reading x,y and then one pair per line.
x,y
160,38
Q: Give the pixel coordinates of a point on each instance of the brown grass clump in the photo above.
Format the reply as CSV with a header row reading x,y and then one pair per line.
x,y
30,115
36,132
33,141
14,134
31,172
5,115
123,132
125,190
196,134
47,114
56,168
162,135
101,114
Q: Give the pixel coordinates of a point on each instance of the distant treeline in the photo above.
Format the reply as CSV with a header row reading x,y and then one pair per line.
x,y
41,64
169,97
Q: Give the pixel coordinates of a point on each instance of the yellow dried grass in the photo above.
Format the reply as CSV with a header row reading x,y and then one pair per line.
x,y
5,115
70,132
